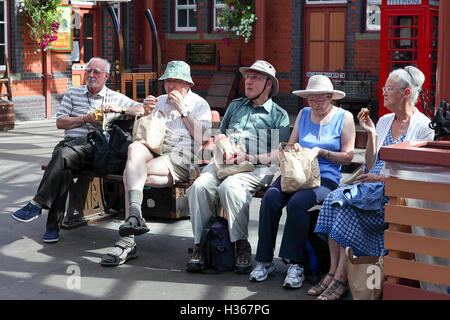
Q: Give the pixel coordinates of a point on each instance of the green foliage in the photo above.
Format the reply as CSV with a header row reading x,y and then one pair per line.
x,y
239,18
44,20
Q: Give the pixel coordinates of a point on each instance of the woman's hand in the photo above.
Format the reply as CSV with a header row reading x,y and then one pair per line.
x,y
239,157
365,122
368,177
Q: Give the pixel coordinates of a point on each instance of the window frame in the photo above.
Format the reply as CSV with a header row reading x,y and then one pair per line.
x,y
319,2
187,7
215,7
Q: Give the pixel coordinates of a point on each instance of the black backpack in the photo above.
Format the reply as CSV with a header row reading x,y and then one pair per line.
x,y
218,249
441,121
111,149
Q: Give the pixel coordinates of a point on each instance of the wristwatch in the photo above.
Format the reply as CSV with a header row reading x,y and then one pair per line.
x,y
185,114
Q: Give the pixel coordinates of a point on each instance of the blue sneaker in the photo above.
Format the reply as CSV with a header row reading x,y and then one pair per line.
x,y
27,213
51,235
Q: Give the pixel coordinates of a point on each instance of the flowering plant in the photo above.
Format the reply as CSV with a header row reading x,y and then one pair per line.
x,y
239,18
45,20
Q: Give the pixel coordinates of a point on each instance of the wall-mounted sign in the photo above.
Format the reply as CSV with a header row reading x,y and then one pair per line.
x,y
404,2
338,75
201,53
373,15
64,41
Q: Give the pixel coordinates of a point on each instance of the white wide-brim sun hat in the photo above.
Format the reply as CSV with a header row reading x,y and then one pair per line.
x,y
320,84
265,68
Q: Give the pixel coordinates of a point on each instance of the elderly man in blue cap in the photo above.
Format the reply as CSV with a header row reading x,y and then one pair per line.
x,y
188,117
263,124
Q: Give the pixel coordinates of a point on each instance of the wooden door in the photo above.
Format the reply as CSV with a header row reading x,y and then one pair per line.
x,y
324,41
84,44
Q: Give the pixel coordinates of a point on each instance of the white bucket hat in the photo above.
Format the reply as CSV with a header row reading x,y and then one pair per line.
x,y
319,84
265,68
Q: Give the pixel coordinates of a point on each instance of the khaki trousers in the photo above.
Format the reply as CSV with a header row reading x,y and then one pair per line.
x,y
234,194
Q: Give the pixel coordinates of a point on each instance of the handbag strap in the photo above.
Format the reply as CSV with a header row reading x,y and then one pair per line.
x,y
360,260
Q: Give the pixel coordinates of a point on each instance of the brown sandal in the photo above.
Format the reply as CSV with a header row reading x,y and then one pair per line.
x,y
335,291
320,287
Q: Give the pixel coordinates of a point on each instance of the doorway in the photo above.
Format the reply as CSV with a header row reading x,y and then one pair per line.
x,y
85,44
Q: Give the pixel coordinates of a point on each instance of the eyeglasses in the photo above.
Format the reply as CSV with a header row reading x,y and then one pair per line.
x,y
175,81
316,101
95,71
390,89
254,77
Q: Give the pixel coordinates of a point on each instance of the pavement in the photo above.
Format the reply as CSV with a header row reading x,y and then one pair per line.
x,y
70,270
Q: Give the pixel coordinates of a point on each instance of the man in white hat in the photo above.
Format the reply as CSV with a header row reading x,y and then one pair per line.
x,y
263,124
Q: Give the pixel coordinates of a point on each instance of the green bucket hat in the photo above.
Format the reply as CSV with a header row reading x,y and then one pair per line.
x,y
178,70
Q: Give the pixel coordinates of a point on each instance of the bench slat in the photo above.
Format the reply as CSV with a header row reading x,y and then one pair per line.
x,y
428,218
413,243
416,271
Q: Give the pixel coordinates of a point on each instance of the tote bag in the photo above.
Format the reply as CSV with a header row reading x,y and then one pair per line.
x,y
299,169
365,275
150,130
224,170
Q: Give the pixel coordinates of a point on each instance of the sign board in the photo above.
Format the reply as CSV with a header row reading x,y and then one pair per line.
x,y
201,53
339,75
404,2
64,41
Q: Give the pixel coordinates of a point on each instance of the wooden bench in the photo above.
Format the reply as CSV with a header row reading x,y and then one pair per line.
x,y
102,196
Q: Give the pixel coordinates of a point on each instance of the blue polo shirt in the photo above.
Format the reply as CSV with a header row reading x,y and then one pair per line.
x,y
263,127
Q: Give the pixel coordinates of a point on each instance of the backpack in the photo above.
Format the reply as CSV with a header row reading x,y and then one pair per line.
x,y
111,149
218,249
441,121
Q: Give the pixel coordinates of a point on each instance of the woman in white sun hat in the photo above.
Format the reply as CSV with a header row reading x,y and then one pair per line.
x,y
331,131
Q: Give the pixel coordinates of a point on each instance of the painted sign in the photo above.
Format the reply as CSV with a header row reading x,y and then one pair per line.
x,y
64,34
404,2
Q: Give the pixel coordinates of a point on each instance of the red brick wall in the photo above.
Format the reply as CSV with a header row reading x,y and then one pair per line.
x,y
367,57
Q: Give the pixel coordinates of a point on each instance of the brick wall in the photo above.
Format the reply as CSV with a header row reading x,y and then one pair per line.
x,y
26,70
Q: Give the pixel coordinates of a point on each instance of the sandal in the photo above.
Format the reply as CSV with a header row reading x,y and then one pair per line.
x,y
133,226
121,253
321,286
335,291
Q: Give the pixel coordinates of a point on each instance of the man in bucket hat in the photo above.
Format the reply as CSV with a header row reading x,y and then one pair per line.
x,y
262,124
188,117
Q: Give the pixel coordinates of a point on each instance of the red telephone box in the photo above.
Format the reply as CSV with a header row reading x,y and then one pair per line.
x,y
408,36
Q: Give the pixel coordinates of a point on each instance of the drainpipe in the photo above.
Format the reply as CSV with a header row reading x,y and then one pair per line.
x,y
443,67
260,29
47,76
147,44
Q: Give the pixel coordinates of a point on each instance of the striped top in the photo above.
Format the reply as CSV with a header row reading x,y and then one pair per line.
x,y
176,133
78,101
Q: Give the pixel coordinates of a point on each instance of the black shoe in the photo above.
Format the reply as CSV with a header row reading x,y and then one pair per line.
x,y
197,261
133,226
243,260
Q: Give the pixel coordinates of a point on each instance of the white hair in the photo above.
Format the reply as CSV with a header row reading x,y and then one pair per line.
x,y
107,65
409,77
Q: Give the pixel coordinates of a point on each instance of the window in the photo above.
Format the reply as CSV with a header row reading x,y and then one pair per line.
x,y
186,15
325,1
373,15
219,5
3,33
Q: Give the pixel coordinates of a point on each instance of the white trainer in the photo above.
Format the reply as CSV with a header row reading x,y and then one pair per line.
x,y
295,277
261,271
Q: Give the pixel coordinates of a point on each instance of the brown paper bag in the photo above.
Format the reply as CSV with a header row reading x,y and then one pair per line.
x,y
299,169
365,276
151,130
224,170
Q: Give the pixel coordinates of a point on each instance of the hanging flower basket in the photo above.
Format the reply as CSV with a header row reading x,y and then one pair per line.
x,y
239,18
44,20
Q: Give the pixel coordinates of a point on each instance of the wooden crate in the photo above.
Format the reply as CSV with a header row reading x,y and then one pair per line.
x,y
7,118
